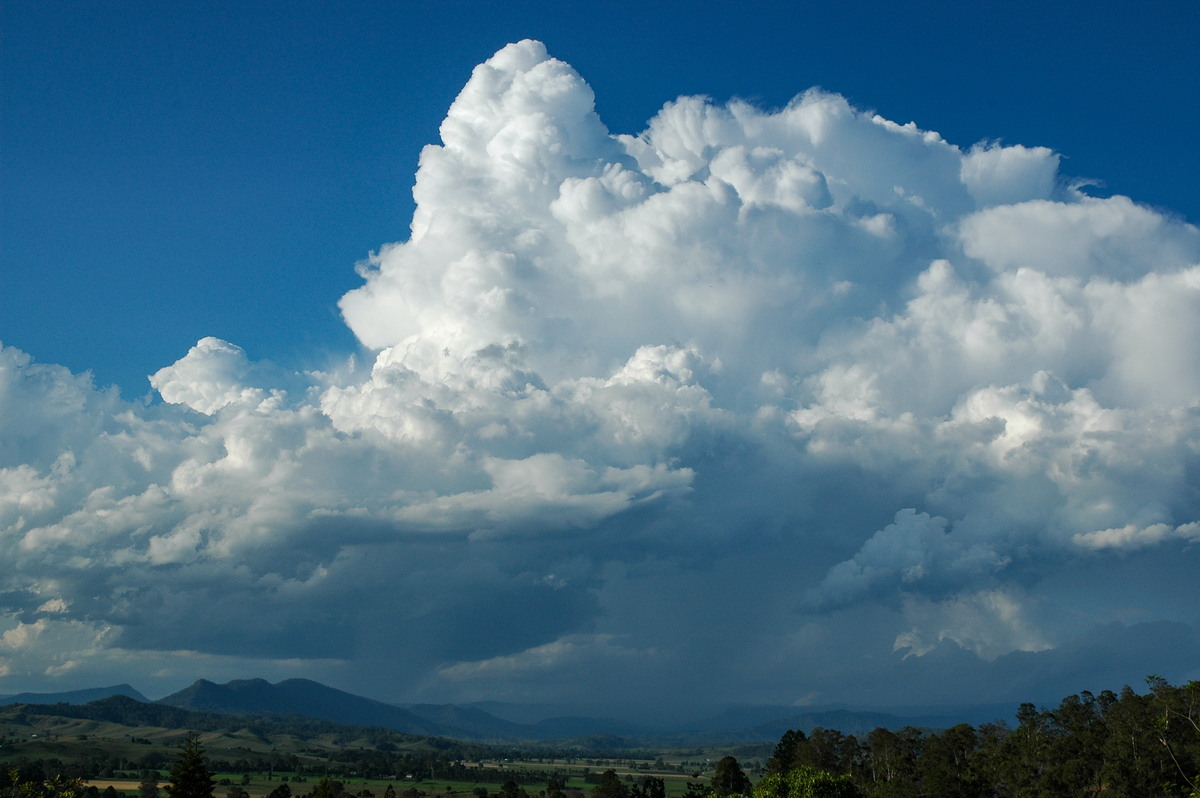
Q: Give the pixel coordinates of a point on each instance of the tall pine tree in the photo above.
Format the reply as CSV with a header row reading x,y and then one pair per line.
x,y
190,777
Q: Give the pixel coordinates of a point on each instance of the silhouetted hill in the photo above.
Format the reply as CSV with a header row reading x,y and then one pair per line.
x,y
126,711
73,696
300,697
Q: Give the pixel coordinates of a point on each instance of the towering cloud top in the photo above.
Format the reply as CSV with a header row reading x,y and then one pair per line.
x,y
888,384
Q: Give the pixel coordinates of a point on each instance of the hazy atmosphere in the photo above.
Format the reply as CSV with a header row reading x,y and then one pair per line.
x,y
710,379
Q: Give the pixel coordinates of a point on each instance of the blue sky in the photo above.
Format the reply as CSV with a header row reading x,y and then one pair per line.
x,y
892,381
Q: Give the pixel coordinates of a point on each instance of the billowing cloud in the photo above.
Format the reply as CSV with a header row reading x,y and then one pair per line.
x,y
828,382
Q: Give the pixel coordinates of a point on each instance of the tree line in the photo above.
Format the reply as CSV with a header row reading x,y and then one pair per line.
x,y
1119,744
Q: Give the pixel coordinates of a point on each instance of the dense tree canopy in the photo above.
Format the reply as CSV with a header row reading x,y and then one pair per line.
x,y
729,779
609,786
806,781
1125,744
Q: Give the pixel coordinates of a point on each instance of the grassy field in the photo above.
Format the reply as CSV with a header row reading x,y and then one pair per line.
x,y
429,788
53,737
31,735
496,773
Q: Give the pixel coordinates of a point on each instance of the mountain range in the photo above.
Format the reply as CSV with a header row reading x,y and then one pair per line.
x,y
488,722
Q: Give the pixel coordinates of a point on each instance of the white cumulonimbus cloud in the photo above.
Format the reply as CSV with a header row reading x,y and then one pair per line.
x,y
803,370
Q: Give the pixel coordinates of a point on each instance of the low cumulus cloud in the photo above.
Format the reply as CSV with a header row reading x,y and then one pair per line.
x,y
859,396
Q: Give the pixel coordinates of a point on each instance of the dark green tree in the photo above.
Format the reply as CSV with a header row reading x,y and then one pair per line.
x,y
148,786
825,749
609,786
729,779
1177,723
327,789
510,789
190,777
948,763
1077,748
1135,762
784,757
647,787
890,767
